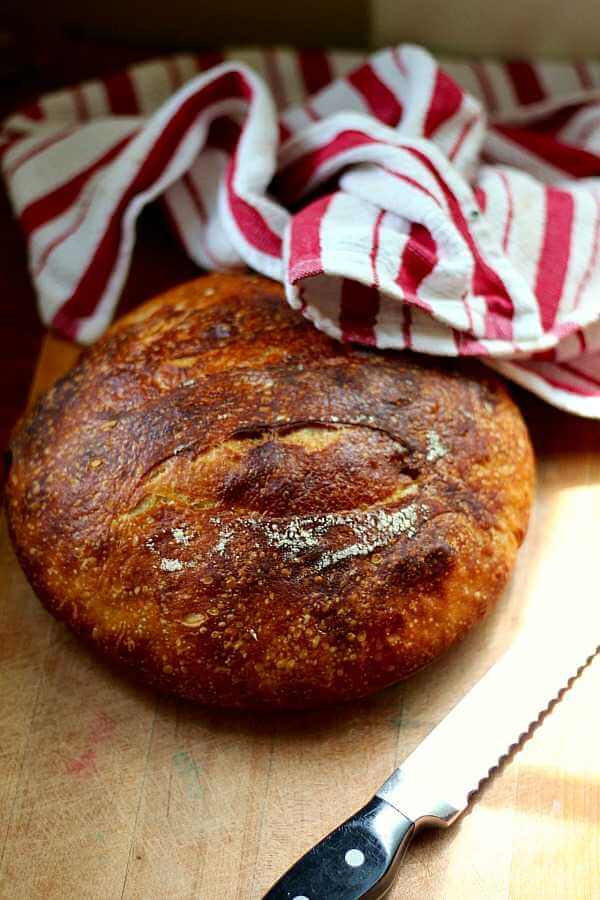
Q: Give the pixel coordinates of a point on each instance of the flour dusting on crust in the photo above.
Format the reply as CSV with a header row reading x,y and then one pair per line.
x,y
171,565
370,530
435,448
180,536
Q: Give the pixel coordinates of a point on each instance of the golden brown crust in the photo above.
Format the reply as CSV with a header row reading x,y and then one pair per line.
x,y
241,511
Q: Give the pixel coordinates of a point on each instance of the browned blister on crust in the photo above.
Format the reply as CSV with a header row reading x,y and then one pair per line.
x,y
241,511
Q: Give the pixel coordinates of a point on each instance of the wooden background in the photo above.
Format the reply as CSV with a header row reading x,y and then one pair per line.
x,y
513,28
108,791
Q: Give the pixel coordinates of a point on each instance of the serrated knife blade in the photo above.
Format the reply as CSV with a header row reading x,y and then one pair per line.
x,y
433,786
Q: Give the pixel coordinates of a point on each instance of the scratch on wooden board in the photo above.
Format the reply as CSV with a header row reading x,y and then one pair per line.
x,y
263,813
50,627
188,771
405,722
84,763
140,798
397,720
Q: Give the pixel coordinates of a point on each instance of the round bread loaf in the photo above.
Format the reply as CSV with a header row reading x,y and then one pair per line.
x,y
241,511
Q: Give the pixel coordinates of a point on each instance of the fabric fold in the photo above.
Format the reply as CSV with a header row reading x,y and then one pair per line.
x,y
444,209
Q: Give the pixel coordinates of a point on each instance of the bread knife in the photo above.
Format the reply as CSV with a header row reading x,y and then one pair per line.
x,y
434,785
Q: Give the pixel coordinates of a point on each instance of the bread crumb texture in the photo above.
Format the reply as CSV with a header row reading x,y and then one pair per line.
x,y
238,510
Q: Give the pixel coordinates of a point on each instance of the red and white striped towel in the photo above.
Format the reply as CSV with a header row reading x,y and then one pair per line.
x,y
451,210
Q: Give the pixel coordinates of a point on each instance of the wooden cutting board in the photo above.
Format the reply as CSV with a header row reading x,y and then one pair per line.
x,y
108,791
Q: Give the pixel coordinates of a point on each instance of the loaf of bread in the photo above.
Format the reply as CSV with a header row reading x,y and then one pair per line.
x,y
241,511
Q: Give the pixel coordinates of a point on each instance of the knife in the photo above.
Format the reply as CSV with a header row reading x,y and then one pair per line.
x,y
434,784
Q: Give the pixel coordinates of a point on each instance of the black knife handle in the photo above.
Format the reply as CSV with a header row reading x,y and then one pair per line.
x,y
357,860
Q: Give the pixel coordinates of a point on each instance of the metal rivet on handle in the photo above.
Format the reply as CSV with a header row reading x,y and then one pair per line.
x,y
355,858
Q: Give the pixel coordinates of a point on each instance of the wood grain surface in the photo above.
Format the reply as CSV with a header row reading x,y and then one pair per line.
x,y
108,791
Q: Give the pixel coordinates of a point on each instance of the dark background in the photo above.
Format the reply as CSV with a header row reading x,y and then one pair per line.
x,y
34,60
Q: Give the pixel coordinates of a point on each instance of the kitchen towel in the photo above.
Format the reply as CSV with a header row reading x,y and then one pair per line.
x,y
451,209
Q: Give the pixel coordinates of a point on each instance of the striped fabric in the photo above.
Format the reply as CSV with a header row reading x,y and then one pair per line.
x,y
450,210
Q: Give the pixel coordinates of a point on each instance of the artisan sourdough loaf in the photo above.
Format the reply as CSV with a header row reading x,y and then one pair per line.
x,y
240,511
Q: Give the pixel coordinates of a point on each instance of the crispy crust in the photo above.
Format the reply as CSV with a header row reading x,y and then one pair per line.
x,y
241,511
